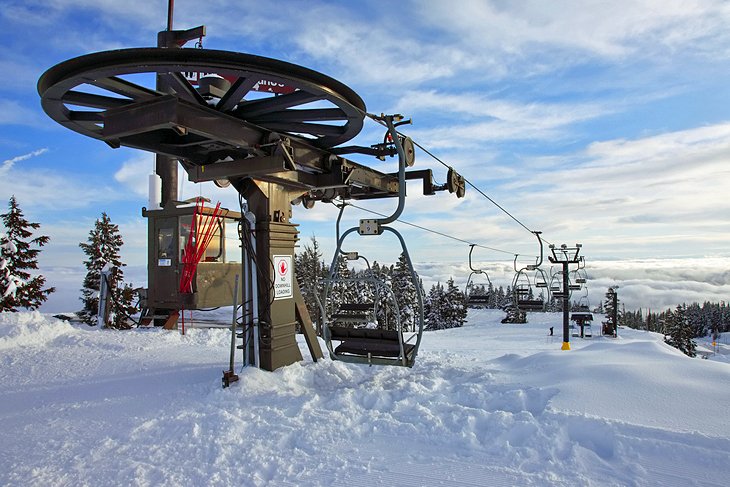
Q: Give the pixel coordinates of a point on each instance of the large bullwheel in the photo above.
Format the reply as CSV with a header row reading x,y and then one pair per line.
x,y
79,92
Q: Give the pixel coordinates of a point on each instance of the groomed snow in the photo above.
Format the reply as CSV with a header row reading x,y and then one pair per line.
x,y
486,405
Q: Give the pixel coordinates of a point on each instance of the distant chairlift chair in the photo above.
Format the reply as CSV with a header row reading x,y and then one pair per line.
x,y
480,297
522,287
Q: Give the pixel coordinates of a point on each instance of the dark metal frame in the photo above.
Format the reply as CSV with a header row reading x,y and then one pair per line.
x,y
565,256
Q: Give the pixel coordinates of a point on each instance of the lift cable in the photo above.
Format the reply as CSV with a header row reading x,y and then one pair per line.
x,y
377,120
434,231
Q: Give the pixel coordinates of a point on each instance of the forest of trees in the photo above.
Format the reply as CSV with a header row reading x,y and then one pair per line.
x,y
703,319
681,325
444,305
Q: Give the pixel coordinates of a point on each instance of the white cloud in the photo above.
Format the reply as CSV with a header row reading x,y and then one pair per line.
x,y
8,164
637,28
134,173
485,119
44,189
649,283
669,187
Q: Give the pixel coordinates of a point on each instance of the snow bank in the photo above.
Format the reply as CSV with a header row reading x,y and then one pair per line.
x,y
30,329
486,404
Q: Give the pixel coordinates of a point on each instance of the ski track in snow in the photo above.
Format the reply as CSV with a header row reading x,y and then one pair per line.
x,y
484,405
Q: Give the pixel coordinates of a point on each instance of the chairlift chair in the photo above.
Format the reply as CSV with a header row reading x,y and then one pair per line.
x,y
583,303
522,286
521,289
357,331
357,338
580,276
476,298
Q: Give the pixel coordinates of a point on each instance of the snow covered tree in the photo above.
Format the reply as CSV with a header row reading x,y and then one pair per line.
x,y
514,314
454,305
679,331
405,293
382,297
102,248
433,308
444,307
610,307
310,270
342,291
18,255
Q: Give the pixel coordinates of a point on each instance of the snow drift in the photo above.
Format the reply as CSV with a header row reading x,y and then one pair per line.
x,y
486,404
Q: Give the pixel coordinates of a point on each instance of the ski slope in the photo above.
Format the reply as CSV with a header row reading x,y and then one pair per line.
x,y
486,405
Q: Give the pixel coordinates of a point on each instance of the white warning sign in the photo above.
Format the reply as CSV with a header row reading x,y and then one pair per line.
x,y
283,287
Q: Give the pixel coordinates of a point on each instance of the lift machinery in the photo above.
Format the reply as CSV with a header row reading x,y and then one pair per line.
x,y
272,130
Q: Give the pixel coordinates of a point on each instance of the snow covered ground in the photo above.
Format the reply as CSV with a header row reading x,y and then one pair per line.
x,y
486,405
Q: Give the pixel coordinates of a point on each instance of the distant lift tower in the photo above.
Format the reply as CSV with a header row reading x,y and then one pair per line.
x,y
270,129
565,256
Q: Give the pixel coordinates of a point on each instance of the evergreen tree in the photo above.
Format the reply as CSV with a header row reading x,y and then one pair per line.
x,y
679,331
610,326
406,293
514,314
499,299
310,270
340,292
102,248
17,256
491,296
454,305
384,295
434,308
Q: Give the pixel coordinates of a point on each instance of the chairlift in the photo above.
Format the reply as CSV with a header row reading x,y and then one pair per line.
x,y
579,276
355,330
522,287
358,330
480,296
583,303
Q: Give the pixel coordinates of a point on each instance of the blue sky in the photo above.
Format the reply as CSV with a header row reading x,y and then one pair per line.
x,y
605,123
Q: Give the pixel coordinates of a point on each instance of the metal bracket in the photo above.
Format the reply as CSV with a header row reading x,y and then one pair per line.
x,y
370,227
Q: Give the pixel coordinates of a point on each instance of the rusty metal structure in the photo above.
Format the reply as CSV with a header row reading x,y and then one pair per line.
x,y
272,130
